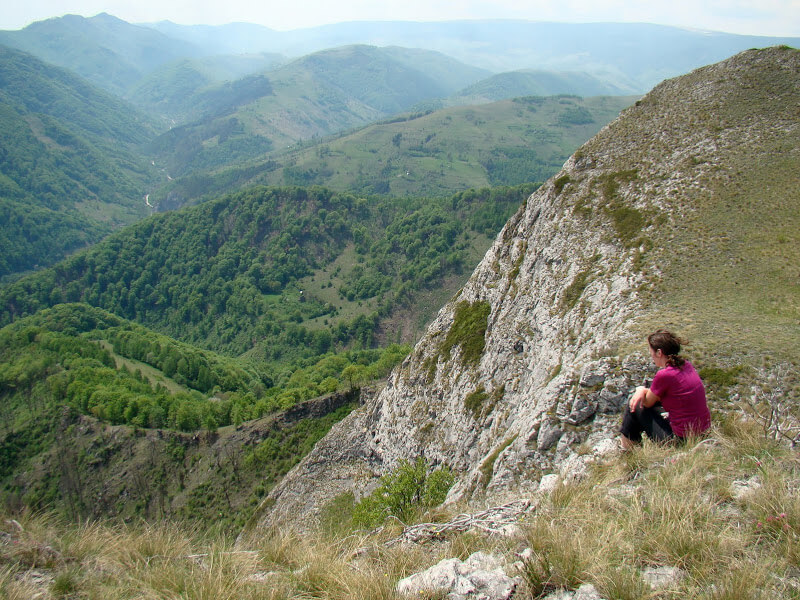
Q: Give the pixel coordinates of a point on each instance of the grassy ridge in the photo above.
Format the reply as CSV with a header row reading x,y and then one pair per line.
x,y
428,153
514,84
730,261
103,49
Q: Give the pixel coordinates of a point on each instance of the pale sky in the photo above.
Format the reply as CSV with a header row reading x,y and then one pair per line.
x,y
753,17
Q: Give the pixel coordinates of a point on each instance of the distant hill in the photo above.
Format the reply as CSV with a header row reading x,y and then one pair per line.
x,y
429,153
185,90
632,56
108,51
313,96
535,83
70,168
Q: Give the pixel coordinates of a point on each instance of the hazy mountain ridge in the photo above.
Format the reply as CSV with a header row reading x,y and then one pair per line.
x,y
530,363
44,88
183,90
531,82
635,55
313,96
108,51
339,88
632,57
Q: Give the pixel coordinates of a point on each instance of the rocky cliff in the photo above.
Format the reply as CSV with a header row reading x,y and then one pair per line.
x,y
525,370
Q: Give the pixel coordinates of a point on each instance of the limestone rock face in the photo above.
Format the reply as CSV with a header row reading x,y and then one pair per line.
x,y
551,295
524,371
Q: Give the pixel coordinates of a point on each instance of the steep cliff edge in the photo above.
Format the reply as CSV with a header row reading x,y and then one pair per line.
x,y
684,210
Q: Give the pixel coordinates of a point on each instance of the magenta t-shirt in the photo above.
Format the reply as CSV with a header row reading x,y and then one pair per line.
x,y
682,395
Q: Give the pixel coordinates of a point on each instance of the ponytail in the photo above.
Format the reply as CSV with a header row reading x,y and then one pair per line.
x,y
676,361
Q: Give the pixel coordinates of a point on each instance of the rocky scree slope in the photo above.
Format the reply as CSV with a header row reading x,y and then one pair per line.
x,y
525,370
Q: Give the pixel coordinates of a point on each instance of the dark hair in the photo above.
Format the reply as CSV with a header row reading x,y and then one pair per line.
x,y
669,344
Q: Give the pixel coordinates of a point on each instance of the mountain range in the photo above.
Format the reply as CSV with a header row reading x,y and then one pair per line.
x,y
81,162
631,57
230,331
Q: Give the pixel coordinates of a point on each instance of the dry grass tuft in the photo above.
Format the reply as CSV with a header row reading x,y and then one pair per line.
x,y
725,510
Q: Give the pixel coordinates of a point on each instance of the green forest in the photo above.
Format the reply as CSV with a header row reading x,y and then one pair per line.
x,y
229,274
125,374
70,171
74,361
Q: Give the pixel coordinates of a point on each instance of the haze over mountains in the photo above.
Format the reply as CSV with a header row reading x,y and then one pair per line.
x,y
632,57
637,55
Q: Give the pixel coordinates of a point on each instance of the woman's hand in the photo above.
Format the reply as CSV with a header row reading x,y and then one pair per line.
x,y
637,398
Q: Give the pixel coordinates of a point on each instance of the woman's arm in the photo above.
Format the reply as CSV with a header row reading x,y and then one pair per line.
x,y
643,396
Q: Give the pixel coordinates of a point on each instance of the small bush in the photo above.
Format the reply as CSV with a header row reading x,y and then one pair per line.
x,y
574,290
629,223
404,493
560,183
65,583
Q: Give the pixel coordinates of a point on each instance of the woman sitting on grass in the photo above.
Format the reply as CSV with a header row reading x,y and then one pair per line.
x,y
676,389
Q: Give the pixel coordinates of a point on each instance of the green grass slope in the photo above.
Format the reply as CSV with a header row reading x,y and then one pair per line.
x,y
716,153
71,172
428,153
514,84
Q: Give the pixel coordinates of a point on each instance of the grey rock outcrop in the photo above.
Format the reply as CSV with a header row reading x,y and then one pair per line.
x,y
480,577
664,577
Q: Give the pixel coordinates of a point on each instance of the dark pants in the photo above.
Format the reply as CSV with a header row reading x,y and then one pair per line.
x,y
646,420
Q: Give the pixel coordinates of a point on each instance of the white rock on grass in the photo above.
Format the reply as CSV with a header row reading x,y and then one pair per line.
x,y
740,489
586,592
660,578
548,483
480,577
